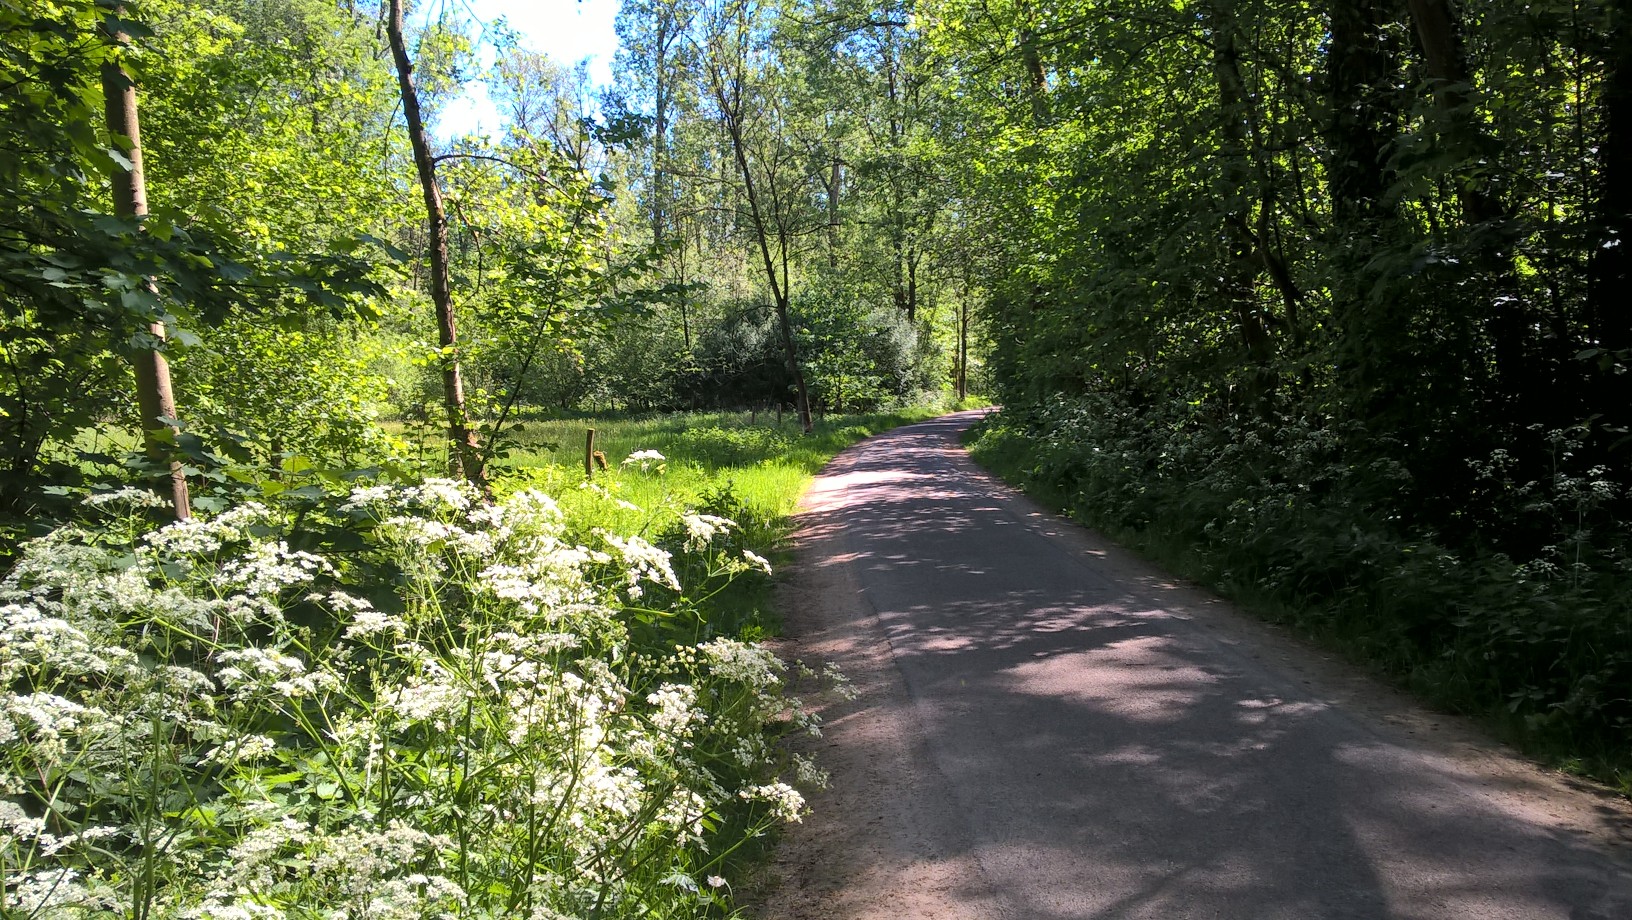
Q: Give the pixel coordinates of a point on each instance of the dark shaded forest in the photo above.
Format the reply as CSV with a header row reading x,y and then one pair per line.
x,y
1331,302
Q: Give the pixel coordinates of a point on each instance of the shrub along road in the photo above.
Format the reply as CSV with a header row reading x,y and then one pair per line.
x,y
1045,727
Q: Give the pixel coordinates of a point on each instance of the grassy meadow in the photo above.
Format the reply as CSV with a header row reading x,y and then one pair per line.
x,y
739,465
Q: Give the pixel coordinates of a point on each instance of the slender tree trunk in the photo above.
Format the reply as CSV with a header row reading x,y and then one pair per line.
x,y
897,199
466,452
1440,40
779,294
685,317
912,257
835,188
1609,268
660,134
961,374
1360,66
1031,59
1240,273
154,396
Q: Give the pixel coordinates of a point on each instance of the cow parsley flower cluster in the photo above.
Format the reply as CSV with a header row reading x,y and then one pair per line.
x,y
647,460
453,715
701,529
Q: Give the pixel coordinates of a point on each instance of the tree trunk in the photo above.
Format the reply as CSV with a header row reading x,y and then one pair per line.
x,y
1439,38
1032,60
1609,267
1520,381
660,133
779,294
154,396
1240,272
913,255
961,373
467,455
1361,66
1358,68
1611,263
835,188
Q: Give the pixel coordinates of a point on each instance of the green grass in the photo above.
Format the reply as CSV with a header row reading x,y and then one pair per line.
x,y
749,467
768,464
739,465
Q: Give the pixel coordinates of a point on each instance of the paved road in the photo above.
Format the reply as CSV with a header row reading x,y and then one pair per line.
x,y
1048,728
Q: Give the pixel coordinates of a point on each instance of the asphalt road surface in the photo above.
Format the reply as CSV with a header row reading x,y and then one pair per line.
x,y
1048,728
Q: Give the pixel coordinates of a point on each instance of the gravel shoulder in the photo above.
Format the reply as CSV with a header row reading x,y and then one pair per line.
x,y
1045,727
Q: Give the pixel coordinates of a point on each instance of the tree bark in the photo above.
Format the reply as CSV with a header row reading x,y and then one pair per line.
x,y
154,395
835,188
1240,273
960,374
1361,65
1358,67
1611,261
660,132
467,454
1031,59
1441,44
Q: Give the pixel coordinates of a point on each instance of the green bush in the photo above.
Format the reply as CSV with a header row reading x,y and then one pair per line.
x,y
1286,514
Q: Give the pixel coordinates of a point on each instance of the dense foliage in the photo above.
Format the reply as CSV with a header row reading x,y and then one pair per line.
x,y
1334,297
600,254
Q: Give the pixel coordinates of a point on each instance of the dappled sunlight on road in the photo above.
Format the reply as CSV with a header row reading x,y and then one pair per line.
x,y
1110,745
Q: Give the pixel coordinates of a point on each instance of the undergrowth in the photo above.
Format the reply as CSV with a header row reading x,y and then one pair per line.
x,y
1283,518
370,694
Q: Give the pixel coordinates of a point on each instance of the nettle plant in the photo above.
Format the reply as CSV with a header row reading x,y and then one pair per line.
x,y
447,718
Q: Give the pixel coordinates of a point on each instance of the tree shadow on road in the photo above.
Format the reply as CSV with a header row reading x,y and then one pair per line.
x,y
1115,752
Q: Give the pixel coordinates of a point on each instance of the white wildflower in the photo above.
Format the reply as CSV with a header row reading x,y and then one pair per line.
x,y
44,893
442,494
268,568
703,528
204,536
644,561
57,844
757,561
18,823
371,622
368,496
49,715
242,749
130,496
435,700
237,910
785,801
674,708
644,458
744,662
806,773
